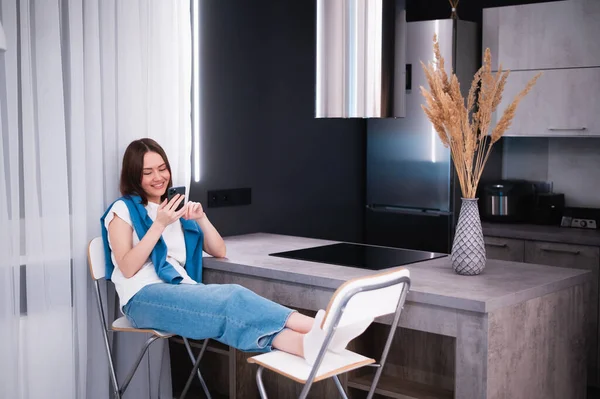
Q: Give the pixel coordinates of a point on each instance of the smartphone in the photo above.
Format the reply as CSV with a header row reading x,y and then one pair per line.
x,y
173,191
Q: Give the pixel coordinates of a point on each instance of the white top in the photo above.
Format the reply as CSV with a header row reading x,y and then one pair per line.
x,y
173,236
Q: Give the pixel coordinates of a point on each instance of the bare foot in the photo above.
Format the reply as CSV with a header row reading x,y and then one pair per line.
x,y
299,322
289,341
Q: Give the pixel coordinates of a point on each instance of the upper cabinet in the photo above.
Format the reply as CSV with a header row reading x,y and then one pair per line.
x,y
559,39
561,34
563,102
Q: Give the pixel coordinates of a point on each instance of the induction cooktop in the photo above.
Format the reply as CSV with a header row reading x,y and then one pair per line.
x,y
360,255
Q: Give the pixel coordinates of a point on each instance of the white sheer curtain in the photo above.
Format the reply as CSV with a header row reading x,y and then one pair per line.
x,y
80,79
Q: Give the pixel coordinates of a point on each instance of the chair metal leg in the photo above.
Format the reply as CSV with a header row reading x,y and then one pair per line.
x,y
137,363
388,343
113,374
191,354
259,383
318,360
339,386
195,368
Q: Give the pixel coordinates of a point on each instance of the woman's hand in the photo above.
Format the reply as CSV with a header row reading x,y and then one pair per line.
x,y
193,211
166,213
213,242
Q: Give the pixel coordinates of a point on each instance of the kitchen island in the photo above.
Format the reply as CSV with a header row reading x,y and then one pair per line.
x,y
515,331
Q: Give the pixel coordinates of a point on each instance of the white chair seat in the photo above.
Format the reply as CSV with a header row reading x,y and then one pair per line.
x,y
297,369
123,324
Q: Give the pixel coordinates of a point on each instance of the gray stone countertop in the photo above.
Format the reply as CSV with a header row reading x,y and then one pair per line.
x,y
434,282
542,233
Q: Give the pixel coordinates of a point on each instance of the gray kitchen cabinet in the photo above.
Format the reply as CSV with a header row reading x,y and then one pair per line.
x,y
564,102
563,255
561,34
505,249
579,257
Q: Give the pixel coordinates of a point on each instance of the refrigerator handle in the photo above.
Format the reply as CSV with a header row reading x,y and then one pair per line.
x,y
408,211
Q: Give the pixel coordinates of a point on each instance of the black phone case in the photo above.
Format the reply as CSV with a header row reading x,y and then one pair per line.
x,y
171,193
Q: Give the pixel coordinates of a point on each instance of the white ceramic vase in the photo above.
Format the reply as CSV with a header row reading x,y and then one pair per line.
x,y
468,248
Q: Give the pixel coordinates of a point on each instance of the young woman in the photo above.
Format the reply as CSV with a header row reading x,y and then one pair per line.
x,y
154,259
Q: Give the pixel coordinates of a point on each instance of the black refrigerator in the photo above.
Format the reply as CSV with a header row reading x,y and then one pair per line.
x,y
412,193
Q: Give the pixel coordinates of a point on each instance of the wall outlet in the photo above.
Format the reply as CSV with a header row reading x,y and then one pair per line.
x,y
229,197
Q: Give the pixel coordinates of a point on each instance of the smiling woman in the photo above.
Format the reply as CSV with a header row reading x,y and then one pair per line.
x,y
154,258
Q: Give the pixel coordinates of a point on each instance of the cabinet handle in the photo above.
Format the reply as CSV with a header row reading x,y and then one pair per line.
x,y
491,244
562,251
567,128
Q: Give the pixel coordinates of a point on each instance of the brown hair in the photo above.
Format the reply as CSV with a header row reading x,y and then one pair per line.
x,y
133,167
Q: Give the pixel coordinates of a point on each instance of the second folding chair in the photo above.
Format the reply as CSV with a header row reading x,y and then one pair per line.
x,y
352,308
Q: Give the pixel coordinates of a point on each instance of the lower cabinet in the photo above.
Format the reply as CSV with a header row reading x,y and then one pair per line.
x,y
578,257
563,255
505,249
559,255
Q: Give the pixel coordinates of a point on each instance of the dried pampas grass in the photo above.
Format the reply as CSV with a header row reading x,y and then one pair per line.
x,y
465,128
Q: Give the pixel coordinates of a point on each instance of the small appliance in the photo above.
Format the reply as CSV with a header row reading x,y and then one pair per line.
x,y
507,200
582,218
548,208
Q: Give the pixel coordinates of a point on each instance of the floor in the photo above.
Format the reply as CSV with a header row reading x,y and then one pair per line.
x,y
196,392
199,394
593,393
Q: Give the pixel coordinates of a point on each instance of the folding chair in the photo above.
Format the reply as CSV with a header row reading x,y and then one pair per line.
x,y
97,266
352,308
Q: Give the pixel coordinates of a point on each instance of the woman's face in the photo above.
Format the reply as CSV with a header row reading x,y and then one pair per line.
x,y
155,176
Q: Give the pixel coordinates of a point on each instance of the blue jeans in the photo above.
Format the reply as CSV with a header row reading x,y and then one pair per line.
x,y
228,313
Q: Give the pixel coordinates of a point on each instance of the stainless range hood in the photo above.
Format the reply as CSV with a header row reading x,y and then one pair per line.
x,y
360,68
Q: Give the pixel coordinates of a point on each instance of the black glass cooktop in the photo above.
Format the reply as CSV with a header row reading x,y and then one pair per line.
x,y
359,255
